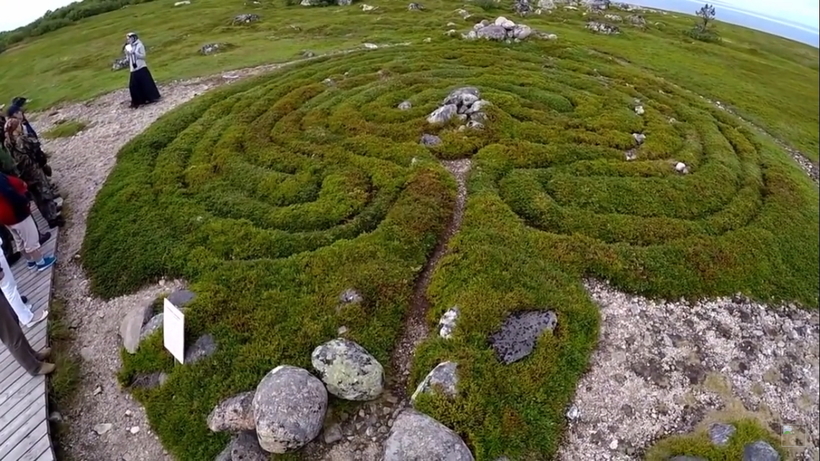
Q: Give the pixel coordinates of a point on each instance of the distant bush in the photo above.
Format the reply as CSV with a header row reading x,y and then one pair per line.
x,y
704,29
62,17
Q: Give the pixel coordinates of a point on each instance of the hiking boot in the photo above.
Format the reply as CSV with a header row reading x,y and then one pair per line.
x,y
44,354
45,238
46,263
46,369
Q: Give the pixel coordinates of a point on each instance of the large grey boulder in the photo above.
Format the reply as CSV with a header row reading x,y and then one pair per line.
x,y
519,333
442,378
492,32
233,414
418,437
131,327
348,370
288,409
760,451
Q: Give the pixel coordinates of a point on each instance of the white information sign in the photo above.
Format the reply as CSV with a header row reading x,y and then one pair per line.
x,y
173,330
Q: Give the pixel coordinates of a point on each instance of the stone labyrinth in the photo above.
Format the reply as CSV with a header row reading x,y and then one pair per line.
x,y
317,203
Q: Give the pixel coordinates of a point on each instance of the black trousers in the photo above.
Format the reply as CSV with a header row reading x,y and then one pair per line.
x,y
12,336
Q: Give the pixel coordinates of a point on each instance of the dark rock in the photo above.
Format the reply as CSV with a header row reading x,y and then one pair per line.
x,y
760,451
415,7
289,408
720,433
233,414
518,334
225,455
202,348
181,298
522,7
245,447
153,325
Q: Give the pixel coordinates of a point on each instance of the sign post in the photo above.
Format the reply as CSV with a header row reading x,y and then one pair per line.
x,y
173,330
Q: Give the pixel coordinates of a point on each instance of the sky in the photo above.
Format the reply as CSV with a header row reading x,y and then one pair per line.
x,y
795,19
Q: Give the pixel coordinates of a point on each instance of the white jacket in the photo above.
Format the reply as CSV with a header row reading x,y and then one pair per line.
x,y
136,55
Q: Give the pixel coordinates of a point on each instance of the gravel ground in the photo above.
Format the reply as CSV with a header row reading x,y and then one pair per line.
x,y
665,367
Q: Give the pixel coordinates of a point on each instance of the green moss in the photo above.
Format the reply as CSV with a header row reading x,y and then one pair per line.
x,y
65,129
274,195
698,443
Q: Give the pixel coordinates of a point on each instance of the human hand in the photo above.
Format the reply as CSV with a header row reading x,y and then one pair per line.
x,y
128,48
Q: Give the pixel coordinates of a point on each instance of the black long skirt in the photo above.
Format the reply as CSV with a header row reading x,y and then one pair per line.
x,y
142,87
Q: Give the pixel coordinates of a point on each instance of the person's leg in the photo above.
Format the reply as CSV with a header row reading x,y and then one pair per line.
x,y
44,197
12,336
9,289
28,233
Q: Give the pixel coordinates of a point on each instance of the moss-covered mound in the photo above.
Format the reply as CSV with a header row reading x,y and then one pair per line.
x,y
275,195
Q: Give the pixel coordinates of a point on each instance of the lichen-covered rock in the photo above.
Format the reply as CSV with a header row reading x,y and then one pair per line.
x,y
492,32
348,370
519,333
443,114
720,433
288,408
418,437
442,378
760,451
233,414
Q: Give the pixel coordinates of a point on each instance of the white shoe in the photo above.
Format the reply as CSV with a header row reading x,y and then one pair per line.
x,y
37,319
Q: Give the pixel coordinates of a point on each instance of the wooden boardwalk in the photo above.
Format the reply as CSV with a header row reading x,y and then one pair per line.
x,y
24,429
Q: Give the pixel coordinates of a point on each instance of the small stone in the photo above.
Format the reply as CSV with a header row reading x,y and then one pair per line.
x,y
55,417
332,434
370,46
448,323
760,451
134,430
416,436
614,444
342,331
680,167
350,296
573,413
639,110
98,390
639,137
720,433
405,105
203,347
234,414
101,429
443,378
128,413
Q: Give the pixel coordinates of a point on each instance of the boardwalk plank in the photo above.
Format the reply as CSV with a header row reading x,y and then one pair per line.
x,y
24,429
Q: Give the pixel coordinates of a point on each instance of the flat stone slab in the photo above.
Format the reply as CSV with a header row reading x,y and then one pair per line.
x,y
519,333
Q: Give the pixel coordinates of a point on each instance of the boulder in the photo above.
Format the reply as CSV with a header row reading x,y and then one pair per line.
x,y
151,326
442,378
462,96
288,409
519,333
443,114
348,370
521,32
504,22
131,327
203,347
233,414
492,32
760,451
418,437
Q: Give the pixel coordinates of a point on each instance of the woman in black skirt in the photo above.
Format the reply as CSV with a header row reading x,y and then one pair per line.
x,y
142,86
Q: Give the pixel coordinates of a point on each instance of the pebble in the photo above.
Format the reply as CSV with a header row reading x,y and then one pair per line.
x,y
134,430
98,390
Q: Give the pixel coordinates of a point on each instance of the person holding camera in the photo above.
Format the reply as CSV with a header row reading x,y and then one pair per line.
x,y
141,85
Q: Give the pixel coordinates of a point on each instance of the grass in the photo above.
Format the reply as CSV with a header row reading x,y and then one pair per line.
x,y
274,195
63,383
769,80
699,445
65,129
